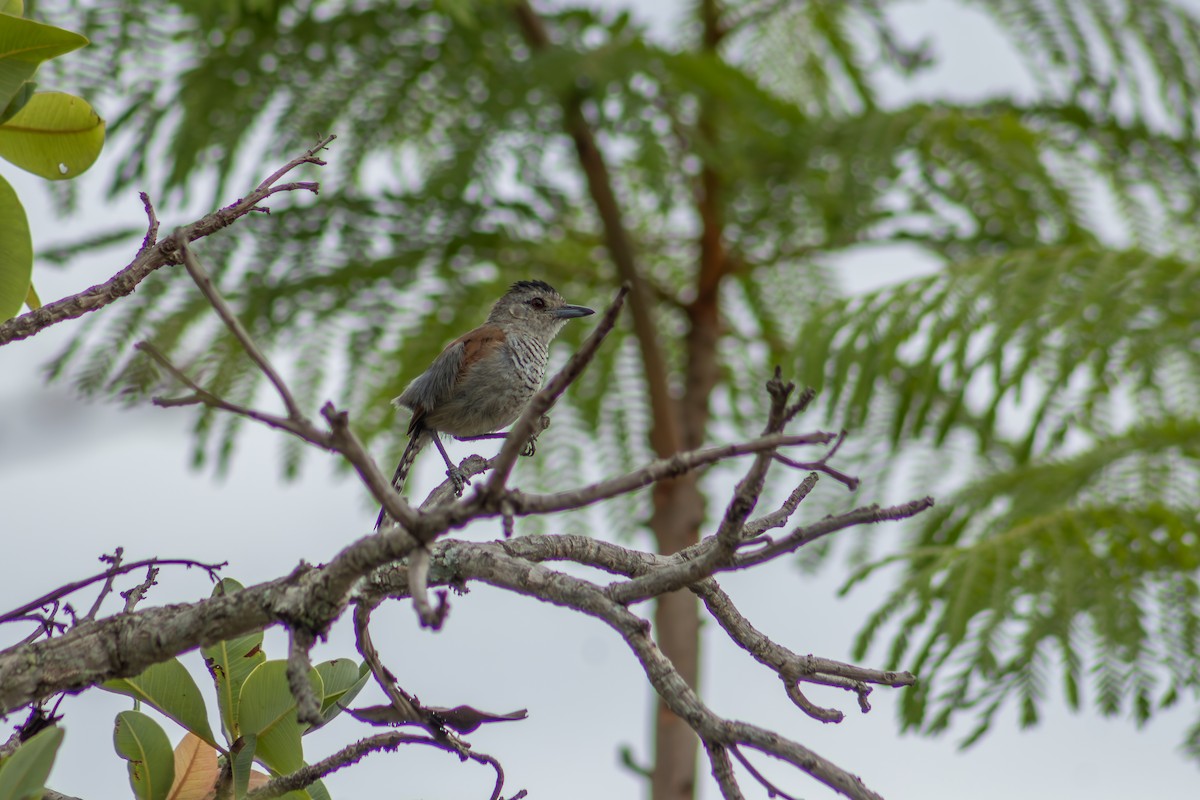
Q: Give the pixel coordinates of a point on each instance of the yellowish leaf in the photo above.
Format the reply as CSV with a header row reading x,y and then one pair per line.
x,y
196,770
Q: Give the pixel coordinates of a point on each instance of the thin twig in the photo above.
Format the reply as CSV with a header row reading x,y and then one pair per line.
x,y
809,533
299,664
340,438
418,580
209,290
134,596
114,561
407,707
343,439
772,789
809,707
352,754
849,481
655,471
162,254
75,586
780,517
202,396
151,237
722,771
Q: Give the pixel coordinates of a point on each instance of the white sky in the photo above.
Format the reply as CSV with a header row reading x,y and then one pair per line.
x,y
77,480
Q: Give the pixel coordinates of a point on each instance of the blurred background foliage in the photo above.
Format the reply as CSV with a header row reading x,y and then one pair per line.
x,y
1042,382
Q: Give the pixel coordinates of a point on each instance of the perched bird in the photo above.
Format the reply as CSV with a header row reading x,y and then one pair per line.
x,y
483,379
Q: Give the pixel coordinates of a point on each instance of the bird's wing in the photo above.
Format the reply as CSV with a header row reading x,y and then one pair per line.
x,y
435,385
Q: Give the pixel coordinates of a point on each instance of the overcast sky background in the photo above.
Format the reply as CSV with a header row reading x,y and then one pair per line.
x,y
79,479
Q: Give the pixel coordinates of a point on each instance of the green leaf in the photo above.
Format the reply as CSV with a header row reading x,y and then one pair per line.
x,y
343,680
143,743
23,45
169,687
16,252
243,763
229,663
18,101
55,136
267,709
14,7
23,774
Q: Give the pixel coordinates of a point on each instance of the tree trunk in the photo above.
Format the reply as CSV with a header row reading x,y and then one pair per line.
x,y
678,514
679,507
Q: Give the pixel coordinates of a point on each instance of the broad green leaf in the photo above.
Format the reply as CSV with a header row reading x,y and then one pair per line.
x,y
26,40
23,774
267,709
15,76
229,663
16,252
169,687
242,753
18,101
196,769
23,45
143,743
55,136
343,680
14,7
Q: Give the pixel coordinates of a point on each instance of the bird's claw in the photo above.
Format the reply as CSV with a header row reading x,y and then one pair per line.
x,y
459,479
530,448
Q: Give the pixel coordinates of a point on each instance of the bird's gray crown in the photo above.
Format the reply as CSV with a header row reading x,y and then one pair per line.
x,y
535,308
524,286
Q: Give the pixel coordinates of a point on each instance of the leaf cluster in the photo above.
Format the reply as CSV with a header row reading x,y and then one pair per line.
x,y
54,135
258,720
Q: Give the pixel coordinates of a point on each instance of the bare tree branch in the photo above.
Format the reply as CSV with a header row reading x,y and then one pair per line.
x,y
107,575
299,664
209,290
722,771
490,565
150,258
134,596
772,789
809,533
352,754
115,562
780,517
655,471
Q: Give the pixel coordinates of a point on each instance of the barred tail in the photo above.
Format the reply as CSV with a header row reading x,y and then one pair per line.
x,y
417,441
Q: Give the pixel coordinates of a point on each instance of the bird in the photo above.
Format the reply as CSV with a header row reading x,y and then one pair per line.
x,y
483,380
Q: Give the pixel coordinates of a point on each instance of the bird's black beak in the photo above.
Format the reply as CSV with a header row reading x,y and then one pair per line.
x,y
571,312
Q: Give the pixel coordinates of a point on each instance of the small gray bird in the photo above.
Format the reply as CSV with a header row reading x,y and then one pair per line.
x,y
482,381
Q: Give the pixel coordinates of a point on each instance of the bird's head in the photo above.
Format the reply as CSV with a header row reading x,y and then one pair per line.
x,y
535,307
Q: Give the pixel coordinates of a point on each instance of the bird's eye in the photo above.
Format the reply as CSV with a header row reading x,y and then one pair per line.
x,y
538,303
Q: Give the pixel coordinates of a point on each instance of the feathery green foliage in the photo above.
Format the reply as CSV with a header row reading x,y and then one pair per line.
x,y
1053,354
